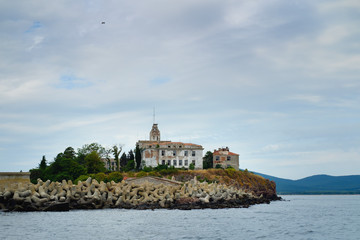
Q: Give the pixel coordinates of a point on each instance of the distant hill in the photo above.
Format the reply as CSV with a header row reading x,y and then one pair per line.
x,y
317,184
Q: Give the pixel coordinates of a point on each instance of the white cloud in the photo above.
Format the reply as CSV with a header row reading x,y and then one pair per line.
x,y
307,98
37,40
331,6
272,147
230,73
333,34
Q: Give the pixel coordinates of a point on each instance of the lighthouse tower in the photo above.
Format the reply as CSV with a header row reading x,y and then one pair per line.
x,y
155,133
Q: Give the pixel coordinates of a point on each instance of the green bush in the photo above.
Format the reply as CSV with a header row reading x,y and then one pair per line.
x,y
153,173
218,166
114,176
147,169
192,166
161,167
35,174
62,176
141,174
170,170
129,166
81,178
100,177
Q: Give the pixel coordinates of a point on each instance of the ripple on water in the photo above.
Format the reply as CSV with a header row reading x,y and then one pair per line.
x,y
303,217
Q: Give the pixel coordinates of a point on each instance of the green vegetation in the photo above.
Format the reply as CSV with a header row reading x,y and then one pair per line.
x,y
86,161
138,157
208,160
192,166
113,176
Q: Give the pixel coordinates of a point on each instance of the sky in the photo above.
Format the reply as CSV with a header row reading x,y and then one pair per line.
x,y
277,81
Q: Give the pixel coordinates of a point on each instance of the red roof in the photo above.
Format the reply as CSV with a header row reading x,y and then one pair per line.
x,y
169,143
229,153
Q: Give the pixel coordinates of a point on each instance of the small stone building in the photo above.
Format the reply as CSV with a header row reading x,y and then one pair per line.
x,y
225,158
177,154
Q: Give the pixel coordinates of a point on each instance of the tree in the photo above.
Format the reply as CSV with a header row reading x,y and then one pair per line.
x,y
192,166
123,160
138,157
69,153
89,148
43,164
218,166
64,166
116,150
130,165
208,160
93,163
108,160
130,161
131,155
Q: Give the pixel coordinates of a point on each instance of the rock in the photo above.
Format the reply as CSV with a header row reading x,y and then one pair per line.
x,y
57,206
88,181
55,196
42,192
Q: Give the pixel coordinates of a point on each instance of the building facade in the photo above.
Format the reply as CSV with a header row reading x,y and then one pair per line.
x,y
178,154
225,158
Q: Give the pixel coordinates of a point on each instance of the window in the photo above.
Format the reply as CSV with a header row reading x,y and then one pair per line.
x,y
186,162
169,146
150,146
174,162
185,153
169,162
174,153
217,158
163,162
193,153
180,162
228,158
179,146
193,162
162,152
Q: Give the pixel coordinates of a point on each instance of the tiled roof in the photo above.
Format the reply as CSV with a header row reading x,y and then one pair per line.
x,y
163,143
229,153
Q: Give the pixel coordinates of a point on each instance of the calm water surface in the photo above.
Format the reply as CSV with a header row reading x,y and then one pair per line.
x,y
300,217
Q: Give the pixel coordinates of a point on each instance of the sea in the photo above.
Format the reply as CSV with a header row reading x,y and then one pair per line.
x,y
295,217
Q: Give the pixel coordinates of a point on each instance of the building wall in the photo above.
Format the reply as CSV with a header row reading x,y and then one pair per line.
x,y
155,152
178,158
150,157
172,154
226,160
14,177
111,166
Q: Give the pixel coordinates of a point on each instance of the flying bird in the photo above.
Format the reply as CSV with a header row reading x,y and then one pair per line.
x,y
102,22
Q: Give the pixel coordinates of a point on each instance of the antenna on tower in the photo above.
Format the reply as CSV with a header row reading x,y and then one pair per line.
x,y
154,116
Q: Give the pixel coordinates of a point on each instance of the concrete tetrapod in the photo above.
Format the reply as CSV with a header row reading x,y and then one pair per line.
x,y
90,194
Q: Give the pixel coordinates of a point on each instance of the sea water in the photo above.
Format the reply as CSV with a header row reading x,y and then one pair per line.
x,y
297,217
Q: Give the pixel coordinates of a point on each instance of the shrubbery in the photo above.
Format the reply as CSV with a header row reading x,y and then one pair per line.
x,y
192,166
113,176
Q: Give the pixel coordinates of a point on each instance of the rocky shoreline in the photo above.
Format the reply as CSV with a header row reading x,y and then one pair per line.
x,y
90,194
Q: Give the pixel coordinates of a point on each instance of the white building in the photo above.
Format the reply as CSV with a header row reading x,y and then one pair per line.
x,y
177,154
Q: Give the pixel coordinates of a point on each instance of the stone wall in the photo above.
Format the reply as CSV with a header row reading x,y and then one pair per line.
x,y
14,177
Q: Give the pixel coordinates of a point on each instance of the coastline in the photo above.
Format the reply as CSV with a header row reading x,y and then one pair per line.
x,y
90,194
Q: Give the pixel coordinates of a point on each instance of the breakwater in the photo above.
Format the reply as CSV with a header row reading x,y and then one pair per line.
x,y
90,194
13,177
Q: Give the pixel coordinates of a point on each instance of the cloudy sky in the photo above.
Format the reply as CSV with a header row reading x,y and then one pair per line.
x,y
278,81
